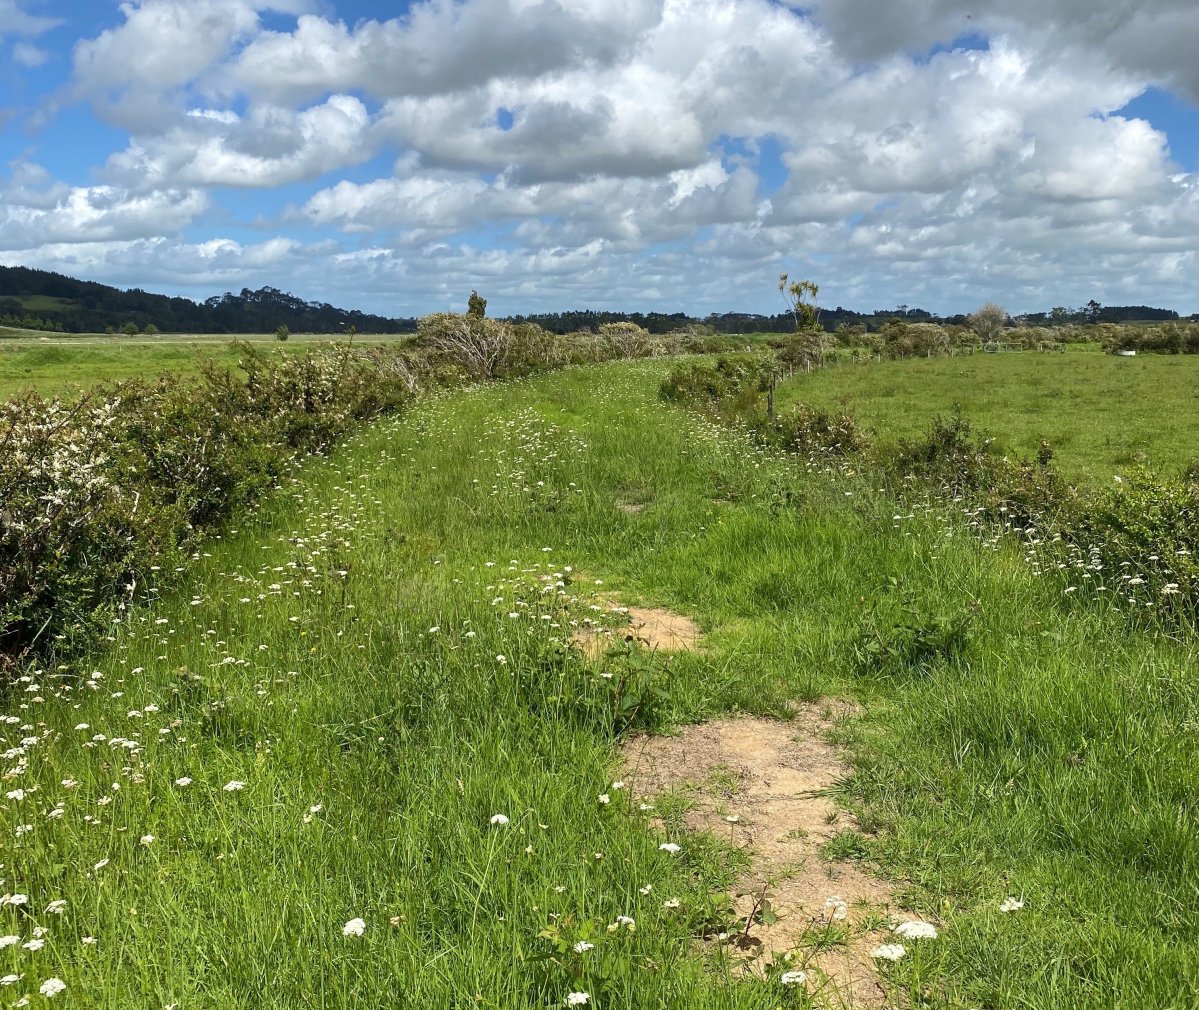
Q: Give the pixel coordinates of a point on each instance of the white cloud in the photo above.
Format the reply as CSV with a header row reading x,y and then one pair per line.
x,y
28,56
270,146
610,149
33,214
1153,39
15,21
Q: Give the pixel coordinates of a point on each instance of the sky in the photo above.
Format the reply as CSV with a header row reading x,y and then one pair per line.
x,y
672,155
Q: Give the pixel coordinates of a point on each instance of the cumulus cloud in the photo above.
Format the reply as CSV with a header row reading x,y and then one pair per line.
x,y
1155,39
440,46
35,212
580,149
270,146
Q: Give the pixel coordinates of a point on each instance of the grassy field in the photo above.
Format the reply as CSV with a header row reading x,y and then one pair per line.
x,y
1101,414
58,363
325,723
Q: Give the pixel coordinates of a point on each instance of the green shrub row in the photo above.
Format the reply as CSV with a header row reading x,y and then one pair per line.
x,y
106,494
1135,544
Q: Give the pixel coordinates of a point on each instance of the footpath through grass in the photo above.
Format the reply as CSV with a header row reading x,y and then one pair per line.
x,y
361,679
1102,414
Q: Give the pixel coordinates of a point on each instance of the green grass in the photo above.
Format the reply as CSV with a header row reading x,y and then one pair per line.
x,y
41,303
342,649
61,364
1102,414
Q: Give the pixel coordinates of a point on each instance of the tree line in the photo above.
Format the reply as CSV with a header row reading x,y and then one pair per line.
x,y
65,304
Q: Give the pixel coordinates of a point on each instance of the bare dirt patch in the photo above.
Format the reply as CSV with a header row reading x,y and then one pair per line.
x,y
652,627
763,784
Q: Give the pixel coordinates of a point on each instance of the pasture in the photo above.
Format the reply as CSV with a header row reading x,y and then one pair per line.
x,y
1103,415
355,760
61,363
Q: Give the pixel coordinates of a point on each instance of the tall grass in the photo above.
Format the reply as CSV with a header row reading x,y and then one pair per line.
x,y
378,656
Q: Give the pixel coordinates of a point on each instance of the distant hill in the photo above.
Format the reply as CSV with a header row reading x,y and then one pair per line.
x,y
40,300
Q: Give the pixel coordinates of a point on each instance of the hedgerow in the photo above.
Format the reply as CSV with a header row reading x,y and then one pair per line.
x,y
107,492
1135,545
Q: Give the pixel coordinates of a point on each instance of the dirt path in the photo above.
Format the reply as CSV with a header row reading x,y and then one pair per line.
x,y
763,784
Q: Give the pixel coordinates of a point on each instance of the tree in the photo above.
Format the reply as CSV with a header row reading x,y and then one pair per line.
x,y
476,307
800,297
988,321
282,333
130,330
1091,310
1059,315
150,330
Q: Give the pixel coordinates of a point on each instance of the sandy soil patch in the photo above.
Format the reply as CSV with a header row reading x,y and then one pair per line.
x,y
652,627
763,783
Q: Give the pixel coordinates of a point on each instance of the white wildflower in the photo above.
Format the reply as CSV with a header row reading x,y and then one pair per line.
x,y
889,952
670,847
583,946
52,987
793,977
234,786
915,929
578,998
499,819
355,927
1010,904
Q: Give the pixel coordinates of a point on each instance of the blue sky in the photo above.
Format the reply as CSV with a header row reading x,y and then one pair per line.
x,y
569,153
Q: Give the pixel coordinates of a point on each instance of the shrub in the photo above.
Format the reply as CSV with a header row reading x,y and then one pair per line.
x,y
810,430
98,492
282,333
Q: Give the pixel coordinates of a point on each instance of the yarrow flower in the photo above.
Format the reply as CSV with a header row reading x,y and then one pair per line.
x,y
578,998
499,819
916,929
583,946
670,847
234,786
185,781
146,840
605,799
793,977
52,987
889,952
56,907
1010,904
355,927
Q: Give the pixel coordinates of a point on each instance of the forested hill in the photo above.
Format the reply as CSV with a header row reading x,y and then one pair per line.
x,y
38,299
